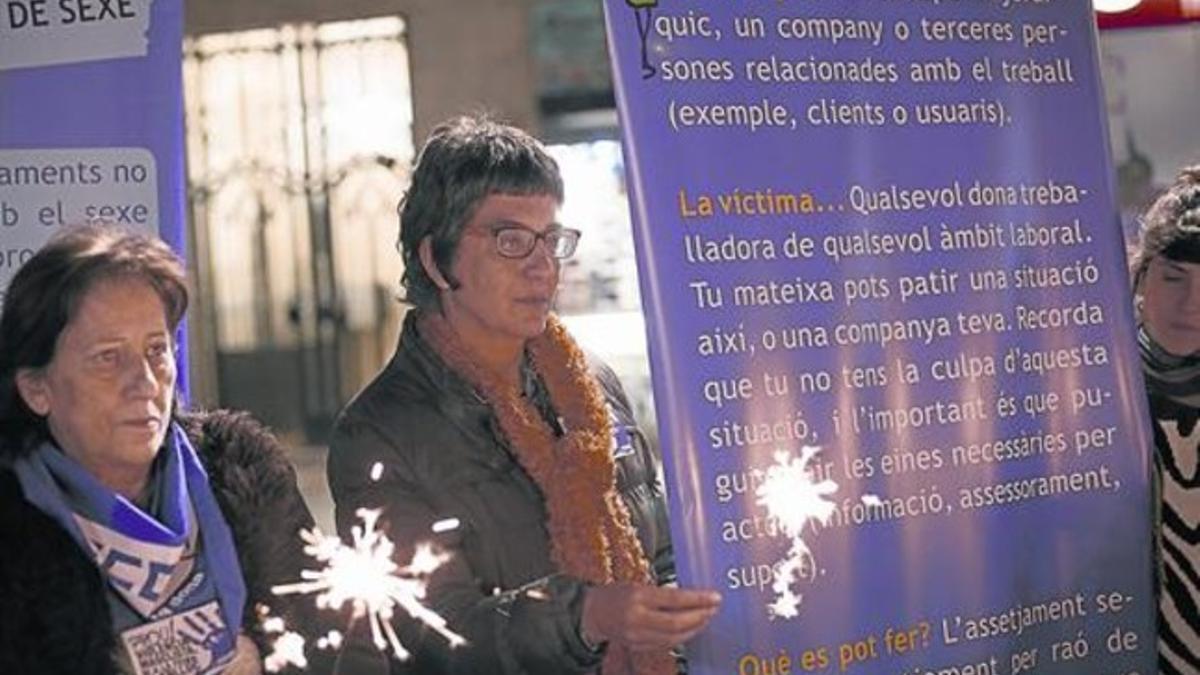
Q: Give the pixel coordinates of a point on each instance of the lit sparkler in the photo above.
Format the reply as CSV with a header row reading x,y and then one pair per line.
x,y
365,576
793,496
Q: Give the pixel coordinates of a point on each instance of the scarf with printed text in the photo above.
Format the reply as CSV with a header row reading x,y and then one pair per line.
x,y
175,588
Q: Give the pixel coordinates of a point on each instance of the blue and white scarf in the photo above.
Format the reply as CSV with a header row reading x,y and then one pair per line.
x,y
176,593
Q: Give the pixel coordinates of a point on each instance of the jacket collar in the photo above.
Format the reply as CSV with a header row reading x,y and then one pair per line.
x,y
451,394
414,356
457,400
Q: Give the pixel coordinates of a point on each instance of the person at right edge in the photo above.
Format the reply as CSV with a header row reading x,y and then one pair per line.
x,y
1166,277
491,419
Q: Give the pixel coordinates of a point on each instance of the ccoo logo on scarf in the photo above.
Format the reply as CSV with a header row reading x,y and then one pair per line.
x,y
146,574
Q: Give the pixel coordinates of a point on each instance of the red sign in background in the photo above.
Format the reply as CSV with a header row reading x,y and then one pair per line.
x,y
1152,13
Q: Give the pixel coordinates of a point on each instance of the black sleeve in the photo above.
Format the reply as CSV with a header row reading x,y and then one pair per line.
x,y
256,487
53,609
530,629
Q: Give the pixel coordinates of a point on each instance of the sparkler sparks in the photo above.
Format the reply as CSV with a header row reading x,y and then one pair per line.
x,y
792,495
287,649
332,640
365,576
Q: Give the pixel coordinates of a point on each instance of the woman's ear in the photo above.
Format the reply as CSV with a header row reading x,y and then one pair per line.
x,y
31,385
1139,293
425,251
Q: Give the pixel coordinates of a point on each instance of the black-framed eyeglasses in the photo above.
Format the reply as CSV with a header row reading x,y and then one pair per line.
x,y
519,242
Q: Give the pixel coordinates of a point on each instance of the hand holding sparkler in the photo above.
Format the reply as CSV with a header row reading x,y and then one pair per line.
x,y
646,618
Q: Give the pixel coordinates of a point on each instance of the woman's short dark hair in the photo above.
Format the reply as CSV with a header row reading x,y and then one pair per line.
x,y
1171,227
44,297
465,160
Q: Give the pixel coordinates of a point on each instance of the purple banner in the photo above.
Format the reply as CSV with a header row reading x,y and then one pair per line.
x,y
91,123
91,120
891,333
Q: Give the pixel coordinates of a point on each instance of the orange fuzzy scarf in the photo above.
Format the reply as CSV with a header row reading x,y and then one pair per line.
x,y
590,530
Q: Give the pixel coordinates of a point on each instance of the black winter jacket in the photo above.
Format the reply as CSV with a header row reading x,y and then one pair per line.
x,y
54,615
442,456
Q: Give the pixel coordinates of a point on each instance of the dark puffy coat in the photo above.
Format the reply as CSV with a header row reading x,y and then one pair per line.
x,y
442,456
53,613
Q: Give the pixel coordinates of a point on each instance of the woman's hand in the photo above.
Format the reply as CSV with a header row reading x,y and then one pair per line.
x,y
646,617
246,660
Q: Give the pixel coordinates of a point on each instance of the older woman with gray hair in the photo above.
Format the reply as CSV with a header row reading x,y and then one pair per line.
x,y
133,539
1167,292
491,417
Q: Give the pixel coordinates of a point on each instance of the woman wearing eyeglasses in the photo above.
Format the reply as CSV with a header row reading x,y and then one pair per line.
x,y
491,419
